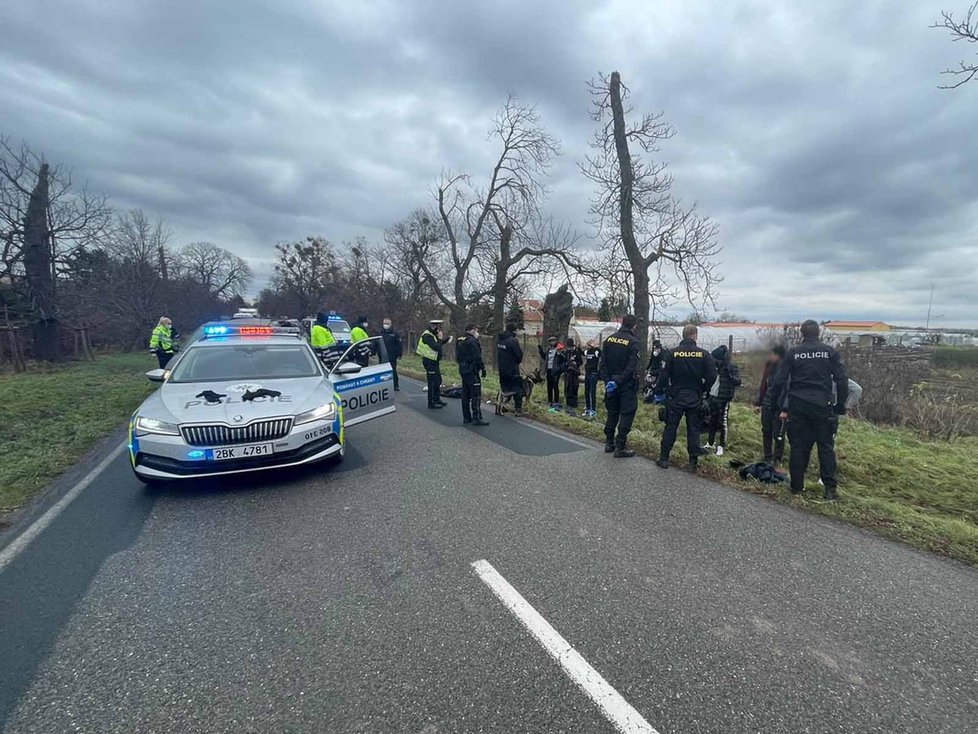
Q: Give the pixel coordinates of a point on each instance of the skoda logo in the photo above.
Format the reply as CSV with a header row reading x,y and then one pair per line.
x,y
243,387
238,418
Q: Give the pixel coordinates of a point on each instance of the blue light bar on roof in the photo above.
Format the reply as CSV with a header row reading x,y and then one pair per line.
x,y
215,330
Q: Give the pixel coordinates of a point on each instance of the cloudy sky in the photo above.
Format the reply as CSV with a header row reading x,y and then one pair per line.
x,y
844,181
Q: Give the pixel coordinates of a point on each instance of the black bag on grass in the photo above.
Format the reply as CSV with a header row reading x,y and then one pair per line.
x,y
763,472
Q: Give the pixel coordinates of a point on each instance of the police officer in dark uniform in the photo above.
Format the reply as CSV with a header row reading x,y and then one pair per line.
x,y
806,380
687,373
618,368
471,368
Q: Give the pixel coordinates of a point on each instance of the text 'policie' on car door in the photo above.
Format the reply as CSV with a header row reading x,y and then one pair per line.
x,y
368,392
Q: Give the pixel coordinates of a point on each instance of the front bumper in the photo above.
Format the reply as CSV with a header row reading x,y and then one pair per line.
x,y
170,457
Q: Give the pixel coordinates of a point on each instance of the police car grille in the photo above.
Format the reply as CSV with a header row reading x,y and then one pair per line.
x,y
218,435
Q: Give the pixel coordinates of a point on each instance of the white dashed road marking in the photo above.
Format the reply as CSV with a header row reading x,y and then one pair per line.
x,y
618,711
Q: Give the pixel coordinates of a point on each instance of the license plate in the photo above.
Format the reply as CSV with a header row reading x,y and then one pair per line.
x,y
242,452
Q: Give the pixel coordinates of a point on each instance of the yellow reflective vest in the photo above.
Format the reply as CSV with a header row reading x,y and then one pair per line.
x,y
161,339
357,334
425,350
320,337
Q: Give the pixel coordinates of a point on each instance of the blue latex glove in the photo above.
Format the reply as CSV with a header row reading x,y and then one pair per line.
x,y
610,387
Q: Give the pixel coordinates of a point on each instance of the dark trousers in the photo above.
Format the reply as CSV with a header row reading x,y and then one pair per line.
x,y
674,414
772,431
572,381
432,371
163,358
810,425
719,412
591,391
397,384
471,397
553,387
621,407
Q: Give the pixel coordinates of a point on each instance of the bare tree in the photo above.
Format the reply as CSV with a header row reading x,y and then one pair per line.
x,y
411,242
961,30
481,223
219,271
669,247
134,293
75,217
306,269
538,247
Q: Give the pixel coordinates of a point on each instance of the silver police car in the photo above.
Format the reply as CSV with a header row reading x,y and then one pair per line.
x,y
244,398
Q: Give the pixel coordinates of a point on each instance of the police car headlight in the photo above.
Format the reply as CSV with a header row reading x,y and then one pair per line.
x,y
151,425
322,413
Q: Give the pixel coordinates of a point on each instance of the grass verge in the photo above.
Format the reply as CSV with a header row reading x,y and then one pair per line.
x,y
52,416
890,481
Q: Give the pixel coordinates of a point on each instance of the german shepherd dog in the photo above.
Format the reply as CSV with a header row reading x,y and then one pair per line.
x,y
528,382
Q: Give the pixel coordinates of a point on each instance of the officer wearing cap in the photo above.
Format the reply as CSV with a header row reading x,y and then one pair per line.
x,y
687,373
806,379
618,368
429,349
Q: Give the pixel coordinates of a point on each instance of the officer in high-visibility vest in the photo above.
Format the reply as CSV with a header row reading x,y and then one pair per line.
x,y
359,334
161,341
320,337
429,349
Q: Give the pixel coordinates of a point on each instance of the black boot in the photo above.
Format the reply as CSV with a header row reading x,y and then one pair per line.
x,y
662,463
624,453
477,419
609,447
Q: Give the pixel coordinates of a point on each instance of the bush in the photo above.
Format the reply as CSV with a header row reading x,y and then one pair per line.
x,y
955,356
943,418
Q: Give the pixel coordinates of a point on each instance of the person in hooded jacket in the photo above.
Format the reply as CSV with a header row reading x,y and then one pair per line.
x,y
555,360
393,347
592,361
509,356
769,401
721,395
573,361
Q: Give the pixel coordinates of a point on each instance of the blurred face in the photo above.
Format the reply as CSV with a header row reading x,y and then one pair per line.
x,y
167,323
387,324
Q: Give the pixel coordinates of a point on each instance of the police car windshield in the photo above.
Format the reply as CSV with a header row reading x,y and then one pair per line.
x,y
339,328
245,362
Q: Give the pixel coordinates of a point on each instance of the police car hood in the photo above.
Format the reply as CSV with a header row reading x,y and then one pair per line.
x,y
188,403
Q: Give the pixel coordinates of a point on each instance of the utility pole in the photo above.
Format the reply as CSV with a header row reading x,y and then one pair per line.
x,y
930,305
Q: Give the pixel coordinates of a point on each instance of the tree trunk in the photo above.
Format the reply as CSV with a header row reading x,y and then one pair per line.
x,y
639,267
641,305
558,308
37,272
499,290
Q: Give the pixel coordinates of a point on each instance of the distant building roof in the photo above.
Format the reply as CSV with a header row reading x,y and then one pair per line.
x,y
533,315
855,325
742,325
530,303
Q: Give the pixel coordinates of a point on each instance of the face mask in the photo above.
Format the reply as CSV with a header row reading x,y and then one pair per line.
x,y
475,334
387,327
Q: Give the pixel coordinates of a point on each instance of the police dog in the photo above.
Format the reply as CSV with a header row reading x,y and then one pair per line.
x,y
528,382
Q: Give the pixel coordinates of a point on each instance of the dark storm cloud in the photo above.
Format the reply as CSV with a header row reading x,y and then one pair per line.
x,y
842,179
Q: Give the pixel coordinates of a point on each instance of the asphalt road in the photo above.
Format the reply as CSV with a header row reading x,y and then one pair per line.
x,y
345,600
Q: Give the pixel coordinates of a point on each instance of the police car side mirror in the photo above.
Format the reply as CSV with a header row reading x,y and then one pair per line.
x,y
156,375
347,368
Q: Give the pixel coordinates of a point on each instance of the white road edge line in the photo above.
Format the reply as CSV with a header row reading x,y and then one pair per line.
x,y
618,711
19,543
555,434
